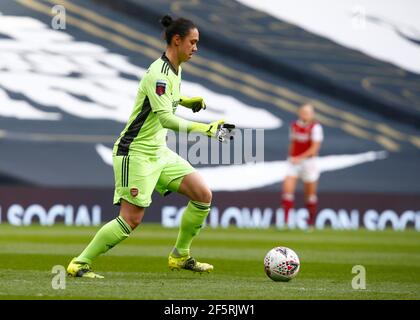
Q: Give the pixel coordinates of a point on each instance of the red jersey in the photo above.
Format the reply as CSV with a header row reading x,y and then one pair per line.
x,y
302,135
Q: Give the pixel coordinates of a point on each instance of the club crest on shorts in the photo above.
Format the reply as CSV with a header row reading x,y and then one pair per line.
x,y
160,87
134,192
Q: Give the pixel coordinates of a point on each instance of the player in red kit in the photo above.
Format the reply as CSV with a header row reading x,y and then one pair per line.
x,y
306,136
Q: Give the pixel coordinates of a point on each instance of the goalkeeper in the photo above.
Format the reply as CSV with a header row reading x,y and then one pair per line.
x,y
142,162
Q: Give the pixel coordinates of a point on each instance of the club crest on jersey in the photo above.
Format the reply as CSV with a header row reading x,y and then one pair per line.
x,y
134,192
160,87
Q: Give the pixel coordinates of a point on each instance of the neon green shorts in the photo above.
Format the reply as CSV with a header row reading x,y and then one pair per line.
x,y
137,176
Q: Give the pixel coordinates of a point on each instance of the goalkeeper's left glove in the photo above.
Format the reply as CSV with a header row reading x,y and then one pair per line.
x,y
194,103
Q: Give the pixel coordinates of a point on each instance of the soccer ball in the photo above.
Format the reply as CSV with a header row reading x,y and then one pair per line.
x,y
281,264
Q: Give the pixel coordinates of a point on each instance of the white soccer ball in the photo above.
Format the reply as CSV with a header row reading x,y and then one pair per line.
x,y
281,264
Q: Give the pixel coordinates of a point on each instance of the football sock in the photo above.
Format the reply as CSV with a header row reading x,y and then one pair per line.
x,y
191,222
312,205
287,202
107,237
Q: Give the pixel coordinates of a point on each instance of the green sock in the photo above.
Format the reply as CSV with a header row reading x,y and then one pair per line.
x,y
192,220
107,237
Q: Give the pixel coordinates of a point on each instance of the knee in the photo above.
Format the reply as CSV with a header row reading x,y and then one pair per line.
x,y
131,214
205,195
134,220
208,196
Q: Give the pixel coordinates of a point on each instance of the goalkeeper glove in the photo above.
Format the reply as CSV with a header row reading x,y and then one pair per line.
x,y
216,129
225,132
194,103
220,130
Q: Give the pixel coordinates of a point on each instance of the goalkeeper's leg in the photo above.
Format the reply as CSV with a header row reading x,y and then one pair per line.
x,y
193,218
106,238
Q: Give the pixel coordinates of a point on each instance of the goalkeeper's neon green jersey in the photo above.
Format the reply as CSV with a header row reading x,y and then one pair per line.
x,y
159,90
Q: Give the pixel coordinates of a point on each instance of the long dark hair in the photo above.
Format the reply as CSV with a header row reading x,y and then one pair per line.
x,y
179,26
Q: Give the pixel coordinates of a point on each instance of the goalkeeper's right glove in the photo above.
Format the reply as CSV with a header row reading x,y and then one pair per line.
x,y
216,129
225,132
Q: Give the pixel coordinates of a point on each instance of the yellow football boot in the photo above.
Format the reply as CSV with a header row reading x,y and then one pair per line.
x,y
80,269
188,263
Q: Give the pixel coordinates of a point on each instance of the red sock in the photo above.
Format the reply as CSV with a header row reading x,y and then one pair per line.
x,y
312,206
287,203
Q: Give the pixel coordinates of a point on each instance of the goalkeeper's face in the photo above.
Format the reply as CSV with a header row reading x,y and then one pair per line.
x,y
188,45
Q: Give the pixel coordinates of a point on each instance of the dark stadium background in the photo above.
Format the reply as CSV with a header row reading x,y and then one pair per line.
x,y
50,171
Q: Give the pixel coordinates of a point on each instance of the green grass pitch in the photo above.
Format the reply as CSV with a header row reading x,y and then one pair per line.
x,y
137,268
